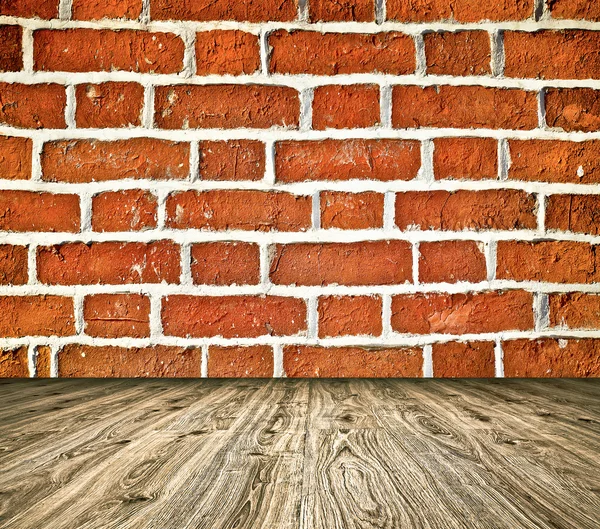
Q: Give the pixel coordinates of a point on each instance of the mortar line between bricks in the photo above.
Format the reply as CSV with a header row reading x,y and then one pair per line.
x,y
395,340
191,236
498,359
427,361
301,188
278,369
27,50
298,82
410,28
65,10
32,360
298,291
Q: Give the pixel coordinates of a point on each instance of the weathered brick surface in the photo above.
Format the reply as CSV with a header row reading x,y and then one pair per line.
x,y
349,315
465,158
351,362
451,262
225,263
466,210
463,360
458,53
233,316
366,263
315,53
351,211
574,310
571,54
458,10
239,210
92,50
463,107
345,107
82,361
482,312
573,109
36,316
226,106
116,315
110,263
78,161
15,158
130,210
13,265
47,212
549,357
238,362
331,181
33,106
227,52
11,48
297,161
109,105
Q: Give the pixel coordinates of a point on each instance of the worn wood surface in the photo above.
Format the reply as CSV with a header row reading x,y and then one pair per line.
x,y
311,454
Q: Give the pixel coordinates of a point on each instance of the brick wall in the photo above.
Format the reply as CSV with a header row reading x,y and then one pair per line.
x,y
322,188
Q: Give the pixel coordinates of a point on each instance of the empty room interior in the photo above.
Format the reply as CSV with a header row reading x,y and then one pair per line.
x,y
299,264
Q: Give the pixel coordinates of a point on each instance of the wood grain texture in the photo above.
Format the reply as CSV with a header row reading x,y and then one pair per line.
x,y
310,454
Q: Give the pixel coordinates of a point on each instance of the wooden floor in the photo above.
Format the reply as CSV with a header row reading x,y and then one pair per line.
x,y
317,454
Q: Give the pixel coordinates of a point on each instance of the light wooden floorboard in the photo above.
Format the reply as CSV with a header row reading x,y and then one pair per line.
x,y
309,454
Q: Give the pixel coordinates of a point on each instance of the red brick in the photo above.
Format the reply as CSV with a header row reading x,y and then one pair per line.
x,y
550,261
129,210
43,361
225,263
236,362
549,357
463,107
99,9
345,107
577,213
13,265
463,360
458,53
451,262
573,109
14,362
311,52
555,161
575,310
111,263
35,106
298,161
247,210
351,362
78,161
109,105
494,209
342,10
363,263
110,362
465,158
471,313
232,160
227,52
105,50
205,10
351,211
233,316
226,106
15,158
22,316
11,48
575,9
31,211
46,9
349,315
547,54
117,315
458,10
